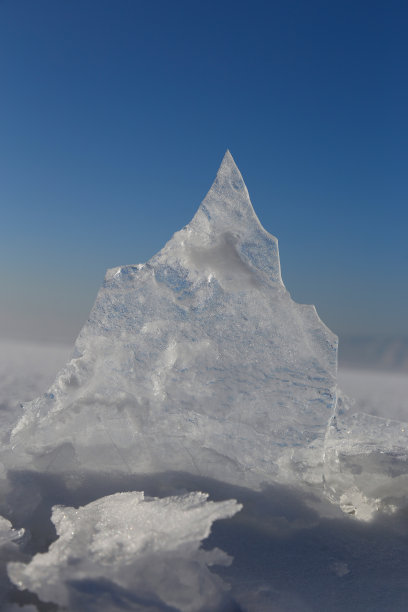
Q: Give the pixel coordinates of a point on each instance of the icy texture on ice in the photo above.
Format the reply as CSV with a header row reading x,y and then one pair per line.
x,y
7,533
366,462
26,370
9,550
196,361
143,552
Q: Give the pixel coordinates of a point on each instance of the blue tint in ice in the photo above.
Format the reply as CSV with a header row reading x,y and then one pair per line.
x,y
197,361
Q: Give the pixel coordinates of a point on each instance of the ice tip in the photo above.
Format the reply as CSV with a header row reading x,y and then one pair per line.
x,y
228,172
228,162
227,156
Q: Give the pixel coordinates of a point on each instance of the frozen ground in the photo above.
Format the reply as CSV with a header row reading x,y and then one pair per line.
x,y
286,558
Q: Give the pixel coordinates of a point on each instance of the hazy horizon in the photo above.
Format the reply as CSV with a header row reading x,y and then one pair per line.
x,y
116,117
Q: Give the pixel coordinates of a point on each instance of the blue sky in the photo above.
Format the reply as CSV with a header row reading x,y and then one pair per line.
x,y
116,114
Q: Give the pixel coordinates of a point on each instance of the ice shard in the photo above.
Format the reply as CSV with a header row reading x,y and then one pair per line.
x,y
366,462
136,552
197,361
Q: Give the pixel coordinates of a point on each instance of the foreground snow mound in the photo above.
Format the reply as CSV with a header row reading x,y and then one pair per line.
x,y
197,361
126,551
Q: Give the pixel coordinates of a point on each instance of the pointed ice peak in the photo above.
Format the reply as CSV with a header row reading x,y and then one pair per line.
x,y
225,238
228,203
228,165
229,177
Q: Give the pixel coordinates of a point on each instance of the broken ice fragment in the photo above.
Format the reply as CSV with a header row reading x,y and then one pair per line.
x,y
366,463
131,549
7,533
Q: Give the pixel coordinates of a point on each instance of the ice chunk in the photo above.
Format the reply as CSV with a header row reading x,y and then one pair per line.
x,y
197,361
10,540
366,462
134,550
7,533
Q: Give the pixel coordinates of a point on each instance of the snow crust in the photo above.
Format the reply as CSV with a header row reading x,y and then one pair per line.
x,y
197,361
140,551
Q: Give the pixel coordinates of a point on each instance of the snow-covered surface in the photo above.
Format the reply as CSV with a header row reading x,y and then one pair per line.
x,y
197,372
286,557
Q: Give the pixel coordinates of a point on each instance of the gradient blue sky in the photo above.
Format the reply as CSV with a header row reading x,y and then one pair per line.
x,y
116,114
